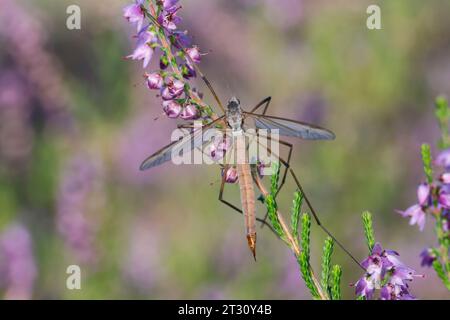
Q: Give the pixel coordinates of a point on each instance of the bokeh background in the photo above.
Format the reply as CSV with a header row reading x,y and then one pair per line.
x,y
76,120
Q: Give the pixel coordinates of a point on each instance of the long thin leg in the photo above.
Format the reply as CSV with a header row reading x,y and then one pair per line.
x,y
286,165
186,126
316,218
232,206
299,186
265,102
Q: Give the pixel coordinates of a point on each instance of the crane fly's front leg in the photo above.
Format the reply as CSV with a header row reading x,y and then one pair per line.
x,y
264,103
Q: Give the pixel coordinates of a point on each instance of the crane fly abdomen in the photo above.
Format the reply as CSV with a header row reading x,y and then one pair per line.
x,y
247,193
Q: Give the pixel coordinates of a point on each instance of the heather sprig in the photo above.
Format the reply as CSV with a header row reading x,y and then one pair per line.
x,y
326,265
368,229
442,113
434,197
157,33
426,160
336,275
304,257
271,203
329,286
295,215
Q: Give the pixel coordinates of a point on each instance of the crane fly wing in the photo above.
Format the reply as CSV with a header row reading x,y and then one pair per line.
x,y
189,141
291,128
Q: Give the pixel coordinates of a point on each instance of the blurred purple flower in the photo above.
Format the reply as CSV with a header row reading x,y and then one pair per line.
x,y
172,108
428,257
138,137
417,212
142,266
19,269
167,4
181,39
445,178
16,134
443,159
76,185
40,68
144,47
134,13
417,215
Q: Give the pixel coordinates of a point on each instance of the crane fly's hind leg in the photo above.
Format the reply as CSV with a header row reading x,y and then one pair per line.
x,y
316,218
265,103
286,164
232,206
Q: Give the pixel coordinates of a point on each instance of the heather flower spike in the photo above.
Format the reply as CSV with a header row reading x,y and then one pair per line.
x,y
384,272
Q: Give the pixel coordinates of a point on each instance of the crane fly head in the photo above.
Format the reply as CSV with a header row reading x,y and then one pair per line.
x,y
234,113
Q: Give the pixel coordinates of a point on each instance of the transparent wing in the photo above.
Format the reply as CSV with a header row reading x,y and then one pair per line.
x,y
186,143
291,128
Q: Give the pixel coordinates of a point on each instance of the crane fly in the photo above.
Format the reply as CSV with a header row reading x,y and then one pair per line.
x,y
236,119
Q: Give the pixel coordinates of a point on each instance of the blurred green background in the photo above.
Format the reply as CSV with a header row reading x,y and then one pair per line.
x,y
76,120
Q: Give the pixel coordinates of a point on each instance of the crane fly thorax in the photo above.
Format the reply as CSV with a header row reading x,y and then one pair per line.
x,y
234,115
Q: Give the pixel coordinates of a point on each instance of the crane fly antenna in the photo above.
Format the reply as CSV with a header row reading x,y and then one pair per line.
x,y
318,221
196,67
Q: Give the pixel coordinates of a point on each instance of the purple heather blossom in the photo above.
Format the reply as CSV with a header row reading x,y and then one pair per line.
x,y
423,193
261,166
417,212
445,178
169,19
154,80
443,159
219,147
134,13
167,4
394,292
144,49
417,215
231,175
190,112
194,54
188,71
386,272
172,108
365,287
444,198
181,39
18,266
428,257
172,89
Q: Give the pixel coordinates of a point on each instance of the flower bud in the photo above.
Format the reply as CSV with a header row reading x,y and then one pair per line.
x,y
231,175
190,112
172,108
154,81
194,54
